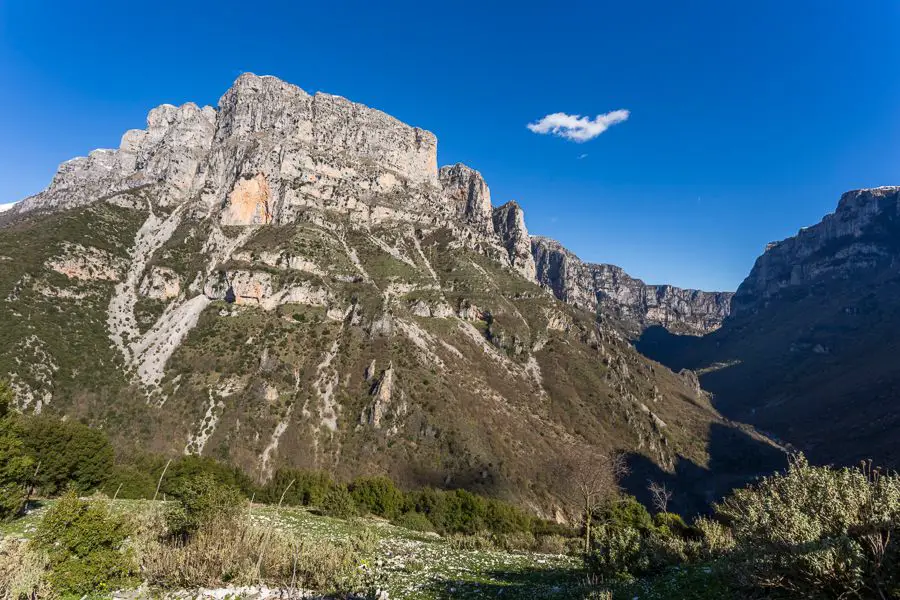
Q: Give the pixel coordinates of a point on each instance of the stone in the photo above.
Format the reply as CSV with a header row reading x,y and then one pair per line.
x,y
592,286
468,195
509,225
857,236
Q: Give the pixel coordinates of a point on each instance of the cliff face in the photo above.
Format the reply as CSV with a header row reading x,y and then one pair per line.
x,y
860,235
230,281
608,287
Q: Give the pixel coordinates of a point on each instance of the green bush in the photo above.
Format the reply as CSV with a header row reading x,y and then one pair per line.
x,y
68,453
15,464
130,482
201,501
457,511
672,523
503,518
189,468
378,496
339,503
818,532
309,487
626,512
618,551
415,521
85,545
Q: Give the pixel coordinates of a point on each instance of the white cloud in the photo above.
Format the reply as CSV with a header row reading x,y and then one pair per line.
x,y
577,128
582,156
5,207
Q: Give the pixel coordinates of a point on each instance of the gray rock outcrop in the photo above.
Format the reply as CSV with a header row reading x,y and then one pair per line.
x,y
509,224
468,195
594,286
860,234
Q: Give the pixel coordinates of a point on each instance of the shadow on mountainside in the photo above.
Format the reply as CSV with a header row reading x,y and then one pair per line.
x,y
735,459
813,369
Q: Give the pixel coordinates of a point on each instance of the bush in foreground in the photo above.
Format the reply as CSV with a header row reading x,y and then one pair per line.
x,y
818,532
203,500
85,547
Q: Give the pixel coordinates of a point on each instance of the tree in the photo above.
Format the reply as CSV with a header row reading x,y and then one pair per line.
x,y
15,465
660,495
68,452
592,480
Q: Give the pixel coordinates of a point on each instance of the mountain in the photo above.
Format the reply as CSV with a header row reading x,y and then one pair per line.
x,y
808,352
608,287
290,279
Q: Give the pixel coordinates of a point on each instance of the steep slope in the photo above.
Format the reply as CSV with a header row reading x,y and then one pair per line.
x,y
290,280
808,353
635,303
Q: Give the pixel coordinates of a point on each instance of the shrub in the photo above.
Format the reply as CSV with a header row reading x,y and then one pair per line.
x,y
626,512
130,482
618,551
85,547
15,465
415,521
716,540
378,496
189,468
501,517
671,523
818,532
552,543
339,503
69,453
200,501
457,511
309,487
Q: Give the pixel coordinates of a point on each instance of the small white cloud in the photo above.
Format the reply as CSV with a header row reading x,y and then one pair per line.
x,y
582,156
577,128
5,207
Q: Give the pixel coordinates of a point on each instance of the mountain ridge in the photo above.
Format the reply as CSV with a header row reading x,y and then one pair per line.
x,y
290,280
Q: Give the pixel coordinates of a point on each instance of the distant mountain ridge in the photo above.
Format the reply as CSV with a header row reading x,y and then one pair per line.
x,y
600,285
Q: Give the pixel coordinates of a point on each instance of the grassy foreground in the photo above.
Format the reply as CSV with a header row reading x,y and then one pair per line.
x,y
405,563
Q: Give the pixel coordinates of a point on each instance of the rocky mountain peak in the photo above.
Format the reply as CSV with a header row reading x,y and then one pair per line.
x,y
468,194
509,223
860,234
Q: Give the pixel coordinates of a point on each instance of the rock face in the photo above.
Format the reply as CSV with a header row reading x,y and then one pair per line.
x,y
467,194
859,235
509,223
607,286
233,274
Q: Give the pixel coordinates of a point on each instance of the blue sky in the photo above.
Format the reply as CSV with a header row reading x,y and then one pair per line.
x,y
746,120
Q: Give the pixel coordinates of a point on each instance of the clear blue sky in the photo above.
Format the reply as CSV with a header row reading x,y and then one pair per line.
x,y
747,120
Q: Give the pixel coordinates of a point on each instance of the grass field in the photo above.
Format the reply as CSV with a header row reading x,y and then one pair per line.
x,y
406,563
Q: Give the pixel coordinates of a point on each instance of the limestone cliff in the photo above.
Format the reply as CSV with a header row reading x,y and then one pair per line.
x,y
608,287
860,235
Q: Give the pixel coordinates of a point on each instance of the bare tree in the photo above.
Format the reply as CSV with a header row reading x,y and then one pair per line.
x,y
660,495
592,480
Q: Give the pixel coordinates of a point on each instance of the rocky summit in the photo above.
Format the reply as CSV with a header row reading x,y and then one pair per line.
x,y
290,280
